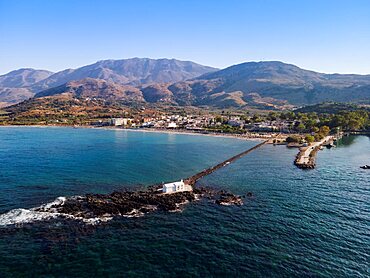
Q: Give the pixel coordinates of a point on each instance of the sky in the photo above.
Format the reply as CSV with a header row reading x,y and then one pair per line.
x,y
322,35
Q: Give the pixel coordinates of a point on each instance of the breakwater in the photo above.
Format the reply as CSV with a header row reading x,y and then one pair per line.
x,y
193,179
305,159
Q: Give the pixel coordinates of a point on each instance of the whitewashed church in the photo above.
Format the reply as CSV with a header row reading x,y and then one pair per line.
x,y
174,187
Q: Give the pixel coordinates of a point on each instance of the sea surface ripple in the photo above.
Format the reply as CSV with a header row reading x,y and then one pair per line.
x,y
298,223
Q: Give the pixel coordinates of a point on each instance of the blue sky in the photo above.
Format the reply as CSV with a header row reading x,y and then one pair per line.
x,y
327,36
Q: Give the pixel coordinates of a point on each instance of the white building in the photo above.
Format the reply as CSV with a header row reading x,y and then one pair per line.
x,y
116,121
172,125
177,186
119,121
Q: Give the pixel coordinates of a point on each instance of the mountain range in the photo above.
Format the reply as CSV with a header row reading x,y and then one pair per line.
x,y
265,85
22,84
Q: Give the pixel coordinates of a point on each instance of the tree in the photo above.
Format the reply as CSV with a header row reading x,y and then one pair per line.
x,y
292,139
315,129
318,137
218,119
301,127
256,119
272,116
324,130
309,139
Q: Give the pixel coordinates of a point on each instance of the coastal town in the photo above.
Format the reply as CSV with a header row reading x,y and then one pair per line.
x,y
281,130
275,131
313,125
309,128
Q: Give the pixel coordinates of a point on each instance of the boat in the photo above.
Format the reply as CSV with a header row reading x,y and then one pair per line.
x,y
365,167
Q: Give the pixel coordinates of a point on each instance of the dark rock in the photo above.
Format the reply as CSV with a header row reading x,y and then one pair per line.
x,y
133,203
227,199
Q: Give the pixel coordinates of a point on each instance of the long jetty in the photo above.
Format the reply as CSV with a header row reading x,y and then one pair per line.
x,y
193,179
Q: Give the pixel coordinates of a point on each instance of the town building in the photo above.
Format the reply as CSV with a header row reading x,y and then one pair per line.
x,y
172,125
119,121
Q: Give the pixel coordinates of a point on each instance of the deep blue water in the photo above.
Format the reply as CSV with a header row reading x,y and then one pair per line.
x,y
312,223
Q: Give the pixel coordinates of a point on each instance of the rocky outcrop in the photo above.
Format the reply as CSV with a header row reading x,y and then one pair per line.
x,y
227,199
134,203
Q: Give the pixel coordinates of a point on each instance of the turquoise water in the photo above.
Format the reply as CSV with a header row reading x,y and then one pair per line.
x,y
298,223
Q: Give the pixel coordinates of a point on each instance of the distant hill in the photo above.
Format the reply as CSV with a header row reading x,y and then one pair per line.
x,y
284,82
94,88
134,72
14,85
9,96
86,98
23,78
260,85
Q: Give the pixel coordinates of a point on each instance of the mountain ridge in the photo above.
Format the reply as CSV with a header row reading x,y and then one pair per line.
x,y
133,71
264,84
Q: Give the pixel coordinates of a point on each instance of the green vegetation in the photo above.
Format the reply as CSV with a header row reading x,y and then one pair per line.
x,y
309,138
314,122
332,108
293,139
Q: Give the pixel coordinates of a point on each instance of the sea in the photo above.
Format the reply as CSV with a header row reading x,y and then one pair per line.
x,y
297,223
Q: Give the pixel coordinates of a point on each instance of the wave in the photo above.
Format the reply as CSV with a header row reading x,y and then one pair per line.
x,y
97,208
44,212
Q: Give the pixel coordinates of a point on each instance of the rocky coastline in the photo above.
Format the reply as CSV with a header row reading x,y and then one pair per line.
x,y
136,203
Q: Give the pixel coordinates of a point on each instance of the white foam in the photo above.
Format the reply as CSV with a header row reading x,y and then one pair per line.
x,y
57,202
42,213
20,216
50,211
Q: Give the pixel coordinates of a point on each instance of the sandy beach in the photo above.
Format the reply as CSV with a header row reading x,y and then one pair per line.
x,y
186,132
255,137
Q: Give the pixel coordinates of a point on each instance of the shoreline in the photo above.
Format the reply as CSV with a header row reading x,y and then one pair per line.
x,y
152,130
186,132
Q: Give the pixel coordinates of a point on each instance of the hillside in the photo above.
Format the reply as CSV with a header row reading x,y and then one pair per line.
x,y
9,96
260,85
332,108
135,71
14,86
87,98
94,88
290,83
23,78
